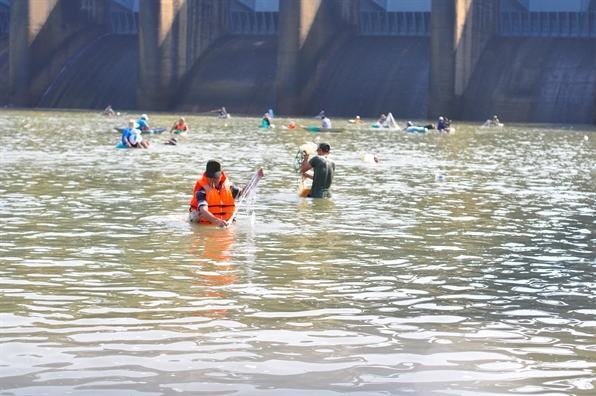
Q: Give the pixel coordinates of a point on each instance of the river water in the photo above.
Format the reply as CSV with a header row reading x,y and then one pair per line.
x,y
458,265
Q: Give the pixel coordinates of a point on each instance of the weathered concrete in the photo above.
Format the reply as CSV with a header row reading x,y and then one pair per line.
x,y
104,73
44,34
442,58
3,70
186,61
368,76
173,34
307,28
534,80
460,30
236,72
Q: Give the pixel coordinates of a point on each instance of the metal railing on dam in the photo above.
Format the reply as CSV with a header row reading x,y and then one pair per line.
x,y
548,24
253,23
373,23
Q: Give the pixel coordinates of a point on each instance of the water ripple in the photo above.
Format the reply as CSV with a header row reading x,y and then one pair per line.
x,y
478,282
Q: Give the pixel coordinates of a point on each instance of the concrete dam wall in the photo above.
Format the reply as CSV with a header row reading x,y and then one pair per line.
x,y
467,59
534,80
4,70
368,76
235,72
105,72
354,78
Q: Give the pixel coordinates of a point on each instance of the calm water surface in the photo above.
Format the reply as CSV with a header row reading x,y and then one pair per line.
x,y
459,265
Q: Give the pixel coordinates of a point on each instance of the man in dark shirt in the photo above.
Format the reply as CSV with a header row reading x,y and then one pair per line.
x,y
323,171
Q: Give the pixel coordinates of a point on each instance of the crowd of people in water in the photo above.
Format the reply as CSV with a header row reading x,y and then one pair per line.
x,y
214,198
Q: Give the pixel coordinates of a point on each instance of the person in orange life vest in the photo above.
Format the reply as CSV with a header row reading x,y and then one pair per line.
x,y
179,127
213,197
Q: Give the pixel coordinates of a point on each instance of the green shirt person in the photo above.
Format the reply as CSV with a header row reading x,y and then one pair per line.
x,y
323,171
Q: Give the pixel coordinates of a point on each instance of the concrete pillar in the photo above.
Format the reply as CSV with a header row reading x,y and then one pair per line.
x,y
27,19
442,58
44,34
157,19
305,28
460,30
173,34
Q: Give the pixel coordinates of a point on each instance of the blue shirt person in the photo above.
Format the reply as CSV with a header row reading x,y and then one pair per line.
x,y
142,123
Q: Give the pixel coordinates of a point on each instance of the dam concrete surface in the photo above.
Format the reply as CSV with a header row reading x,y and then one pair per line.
x,y
531,61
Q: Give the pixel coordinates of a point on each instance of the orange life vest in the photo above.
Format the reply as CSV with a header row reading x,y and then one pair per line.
x,y
180,126
219,201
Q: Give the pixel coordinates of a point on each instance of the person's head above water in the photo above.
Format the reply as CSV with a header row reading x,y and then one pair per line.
x,y
145,117
213,169
131,123
410,123
324,147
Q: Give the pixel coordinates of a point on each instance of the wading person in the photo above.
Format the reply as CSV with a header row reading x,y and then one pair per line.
x,y
143,123
131,137
137,139
125,139
325,121
323,171
213,198
179,127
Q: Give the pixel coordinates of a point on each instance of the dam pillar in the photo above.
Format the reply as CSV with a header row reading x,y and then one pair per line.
x,y
33,16
460,30
173,34
306,27
44,34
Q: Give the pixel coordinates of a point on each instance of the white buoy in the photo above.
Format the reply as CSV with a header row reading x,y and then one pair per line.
x,y
370,158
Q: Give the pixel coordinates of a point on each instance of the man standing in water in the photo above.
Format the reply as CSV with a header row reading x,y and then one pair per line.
x,y
323,171
213,197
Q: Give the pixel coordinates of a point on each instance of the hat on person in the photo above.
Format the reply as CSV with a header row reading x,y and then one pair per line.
x,y
441,118
213,169
145,117
410,123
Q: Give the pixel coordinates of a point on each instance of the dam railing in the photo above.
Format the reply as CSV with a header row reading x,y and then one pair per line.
x,y
373,23
253,23
548,24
